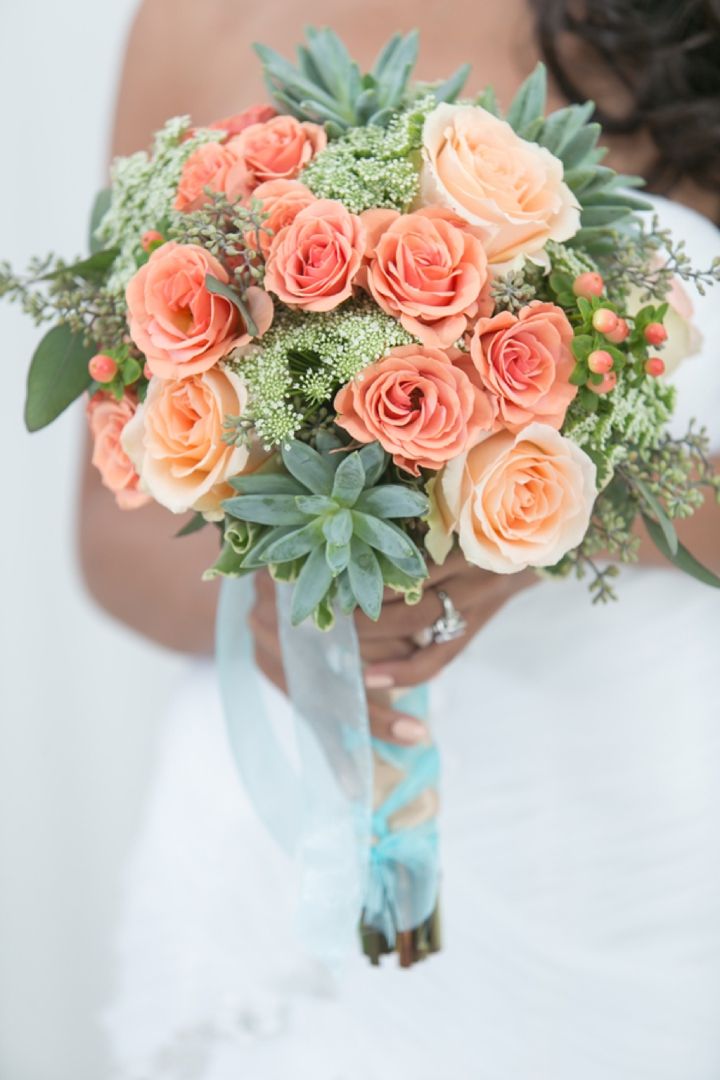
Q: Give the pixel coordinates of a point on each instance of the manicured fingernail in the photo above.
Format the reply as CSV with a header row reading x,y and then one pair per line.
x,y
378,680
407,730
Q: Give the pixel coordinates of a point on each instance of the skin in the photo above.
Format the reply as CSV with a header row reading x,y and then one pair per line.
x,y
131,566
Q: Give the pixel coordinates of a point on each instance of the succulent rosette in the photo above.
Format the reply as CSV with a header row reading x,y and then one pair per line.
x,y
374,320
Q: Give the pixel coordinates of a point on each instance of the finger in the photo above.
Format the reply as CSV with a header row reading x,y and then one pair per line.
x,y
424,663
405,620
374,652
392,726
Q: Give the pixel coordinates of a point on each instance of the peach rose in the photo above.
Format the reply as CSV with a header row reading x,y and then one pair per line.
x,y
314,261
418,404
175,441
180,326
108,418
525,362
254,114
510,188
513,500
426,269
282,201
206,167
278,149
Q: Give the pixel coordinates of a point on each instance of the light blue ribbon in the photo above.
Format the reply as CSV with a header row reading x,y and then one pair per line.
x,y
313,788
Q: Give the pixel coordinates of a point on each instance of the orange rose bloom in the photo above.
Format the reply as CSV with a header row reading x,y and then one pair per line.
x,y
175,441
419,405
279,149
206,167
254,114
511,189
282,201
314,261
107,419
427,270
180,326
525,362
514,501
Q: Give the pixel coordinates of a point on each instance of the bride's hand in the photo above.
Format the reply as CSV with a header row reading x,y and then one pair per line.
x,y
391,655
389,646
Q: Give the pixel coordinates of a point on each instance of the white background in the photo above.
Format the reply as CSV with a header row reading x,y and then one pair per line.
x,y
80,698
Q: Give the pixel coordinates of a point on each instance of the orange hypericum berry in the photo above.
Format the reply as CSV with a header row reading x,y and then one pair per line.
x,y
608,383
588,284
600,362
102,368
604,320
655,333
655,366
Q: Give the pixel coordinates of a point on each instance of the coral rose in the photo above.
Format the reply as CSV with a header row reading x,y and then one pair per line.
x,y
427,270
513,500
254,114
418,404
278,149
525,361
510,188
108,418
314,261
206,168
282,201
180,326
175,441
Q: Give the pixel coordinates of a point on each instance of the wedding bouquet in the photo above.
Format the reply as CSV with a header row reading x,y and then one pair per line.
x,y
358,327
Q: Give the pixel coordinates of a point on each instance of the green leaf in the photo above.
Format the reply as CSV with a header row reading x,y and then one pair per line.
x,y
561,126
265,509
450,88
195,524
313,582
393,501
581,145
214,285
582,346
375,462
395,579
99,210
349,480
242,535
253,559
130,371
227,564
338,557
366,579
682,558
267,483
310,468
95,266
379,534
346,597
58,375
653,505
315,504
487,100
338,527
294,545
529,103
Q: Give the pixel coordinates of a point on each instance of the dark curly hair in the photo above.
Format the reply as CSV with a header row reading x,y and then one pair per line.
x,y
665,57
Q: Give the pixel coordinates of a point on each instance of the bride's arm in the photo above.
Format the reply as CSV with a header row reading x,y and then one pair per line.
x,y
131,564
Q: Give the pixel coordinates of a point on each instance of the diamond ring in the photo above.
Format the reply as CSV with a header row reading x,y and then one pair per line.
x,y
448,627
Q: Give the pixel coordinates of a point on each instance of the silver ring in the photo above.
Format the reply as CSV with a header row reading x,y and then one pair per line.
x,y
448,627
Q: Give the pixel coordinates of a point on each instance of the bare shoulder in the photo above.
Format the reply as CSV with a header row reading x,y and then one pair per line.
x,y
170,66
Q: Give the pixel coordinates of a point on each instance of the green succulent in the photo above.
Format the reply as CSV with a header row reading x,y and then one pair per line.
x,y
328,88
328,526
602,193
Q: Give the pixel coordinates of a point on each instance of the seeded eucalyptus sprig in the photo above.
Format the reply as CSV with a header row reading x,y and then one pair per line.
x,y
327,525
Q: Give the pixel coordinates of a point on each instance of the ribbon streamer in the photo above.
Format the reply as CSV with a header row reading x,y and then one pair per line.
x,y
317,798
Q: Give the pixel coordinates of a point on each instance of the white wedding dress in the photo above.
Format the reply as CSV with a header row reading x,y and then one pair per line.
x,y
580,839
